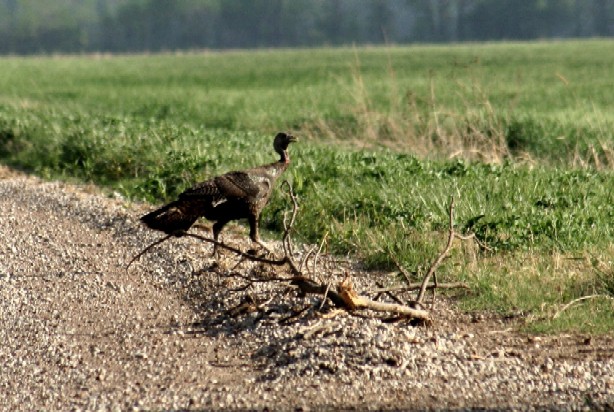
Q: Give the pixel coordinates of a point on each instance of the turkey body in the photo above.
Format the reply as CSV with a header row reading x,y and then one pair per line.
x,y
231,196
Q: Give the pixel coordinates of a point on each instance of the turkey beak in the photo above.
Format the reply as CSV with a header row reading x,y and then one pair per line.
x,y
292,139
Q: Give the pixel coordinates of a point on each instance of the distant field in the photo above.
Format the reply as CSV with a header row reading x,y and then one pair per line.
x,y
539,96
519,133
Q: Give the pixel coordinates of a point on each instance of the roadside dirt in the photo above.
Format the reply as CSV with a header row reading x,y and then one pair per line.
x,y
79,332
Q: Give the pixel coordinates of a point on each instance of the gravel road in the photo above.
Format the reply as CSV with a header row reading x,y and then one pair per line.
x,y
175,332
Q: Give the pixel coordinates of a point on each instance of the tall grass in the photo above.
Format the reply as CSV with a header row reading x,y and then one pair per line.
x,y
433,131
465,117
546,101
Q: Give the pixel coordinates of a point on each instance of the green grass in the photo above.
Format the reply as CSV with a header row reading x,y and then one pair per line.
x,y
540,96
519,134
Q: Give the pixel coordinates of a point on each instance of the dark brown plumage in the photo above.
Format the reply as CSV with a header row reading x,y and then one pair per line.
x,y
231,196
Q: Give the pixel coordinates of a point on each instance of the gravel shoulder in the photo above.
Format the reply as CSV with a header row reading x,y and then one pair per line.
x,y
79,332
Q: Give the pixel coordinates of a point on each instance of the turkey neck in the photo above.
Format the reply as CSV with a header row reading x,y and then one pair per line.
x,y
277,168
285,157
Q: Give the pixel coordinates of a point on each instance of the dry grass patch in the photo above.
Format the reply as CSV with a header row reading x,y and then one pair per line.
x,y
538,286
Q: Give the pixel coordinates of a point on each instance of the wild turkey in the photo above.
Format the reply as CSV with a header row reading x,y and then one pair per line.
x,y
231,196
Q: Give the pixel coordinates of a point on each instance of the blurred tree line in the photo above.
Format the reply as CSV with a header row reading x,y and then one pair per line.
x,y
34,26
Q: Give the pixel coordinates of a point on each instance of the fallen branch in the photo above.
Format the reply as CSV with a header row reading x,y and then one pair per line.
x,y
387,293
353,301
307,285
345,297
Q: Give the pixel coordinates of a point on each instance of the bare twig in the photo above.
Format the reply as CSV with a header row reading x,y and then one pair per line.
x,y
286,239
381,291
306,258
441,256
250,280
142,252
317,255
573,302
417,286
325,295
444,253
403,271
434,289
364,303
275,262
473,236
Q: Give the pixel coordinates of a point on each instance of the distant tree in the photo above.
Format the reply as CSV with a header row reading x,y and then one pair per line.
x,y
11,27
31,26
380,22
332,21
11,8
603,10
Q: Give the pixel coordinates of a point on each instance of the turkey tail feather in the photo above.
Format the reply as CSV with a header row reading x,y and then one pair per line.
x,y
169,219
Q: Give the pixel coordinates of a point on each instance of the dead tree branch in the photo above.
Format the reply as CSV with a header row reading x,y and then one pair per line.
x,y
345,296
306,285
353,301
441,256
444,253
288,226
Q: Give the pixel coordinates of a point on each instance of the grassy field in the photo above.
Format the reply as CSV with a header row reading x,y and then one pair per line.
x,y
520,134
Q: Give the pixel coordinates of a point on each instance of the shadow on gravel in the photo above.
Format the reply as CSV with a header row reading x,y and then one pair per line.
x,y
229,305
